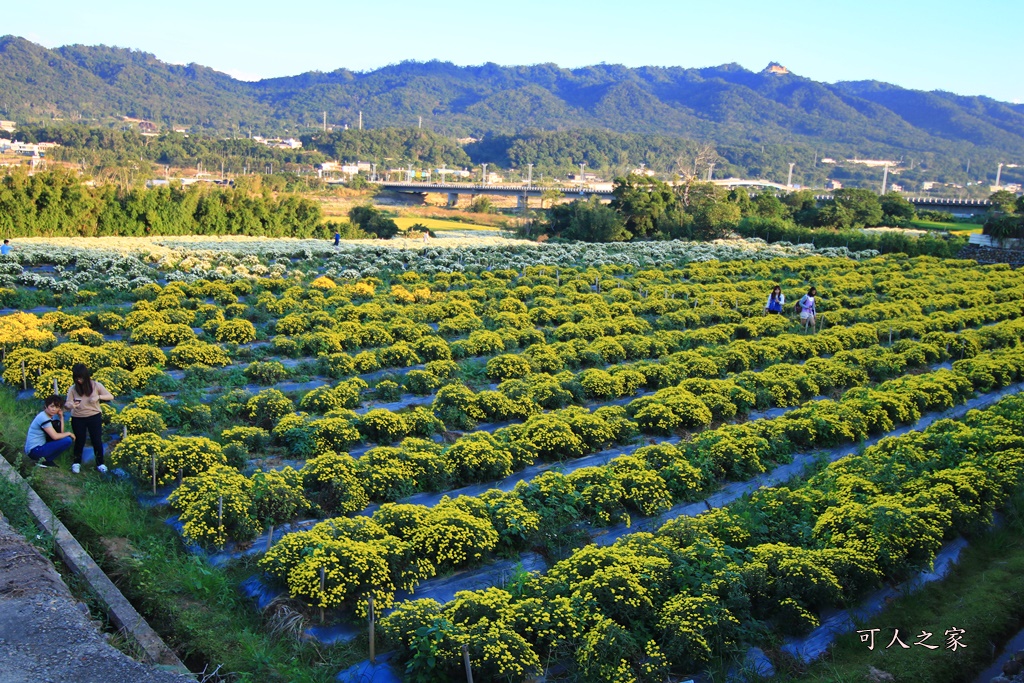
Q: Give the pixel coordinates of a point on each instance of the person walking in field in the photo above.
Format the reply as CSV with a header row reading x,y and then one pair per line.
x,y
46,438
776,300
5,248
808,312
83,401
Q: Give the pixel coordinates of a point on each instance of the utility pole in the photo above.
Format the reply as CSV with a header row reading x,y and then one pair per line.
x,y
999,173
483,174
885,178
582,175
711,168
529,174
789,180
325,122
421,122
360,120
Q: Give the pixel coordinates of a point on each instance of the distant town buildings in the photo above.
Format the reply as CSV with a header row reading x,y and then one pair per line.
x,y
874,163
276,143
7,126
28,149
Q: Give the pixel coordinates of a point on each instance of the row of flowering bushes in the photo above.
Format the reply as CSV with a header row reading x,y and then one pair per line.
x,y
667,603
646,482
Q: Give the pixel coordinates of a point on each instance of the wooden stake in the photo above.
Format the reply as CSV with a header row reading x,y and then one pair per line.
x,y
152,461
323,580
465,658
55,389
370,610
24,379
270,538
220,512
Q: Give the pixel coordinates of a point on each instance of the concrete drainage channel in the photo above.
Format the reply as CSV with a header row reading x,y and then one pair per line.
x,y
118,609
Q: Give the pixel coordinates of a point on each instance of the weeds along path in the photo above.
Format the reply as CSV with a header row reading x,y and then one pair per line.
x,y
47,635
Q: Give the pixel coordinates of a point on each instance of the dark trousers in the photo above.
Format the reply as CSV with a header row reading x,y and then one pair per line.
x,y
93,426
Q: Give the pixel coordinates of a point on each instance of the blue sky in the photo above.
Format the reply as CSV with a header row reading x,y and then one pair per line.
x,y
964,47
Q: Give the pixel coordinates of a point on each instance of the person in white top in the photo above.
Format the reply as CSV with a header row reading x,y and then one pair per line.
x,y
776,300
808,312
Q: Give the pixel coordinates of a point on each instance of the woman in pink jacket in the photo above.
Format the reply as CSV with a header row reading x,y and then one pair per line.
x,y
83,401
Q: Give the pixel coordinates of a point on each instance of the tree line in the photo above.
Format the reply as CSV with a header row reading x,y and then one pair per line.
x,y
645,208
58,203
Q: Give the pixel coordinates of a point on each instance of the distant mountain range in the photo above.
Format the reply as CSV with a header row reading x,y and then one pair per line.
x,y
726,105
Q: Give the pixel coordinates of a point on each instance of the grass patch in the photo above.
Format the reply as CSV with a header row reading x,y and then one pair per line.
x,y
983,595
957,228
436,224
196,607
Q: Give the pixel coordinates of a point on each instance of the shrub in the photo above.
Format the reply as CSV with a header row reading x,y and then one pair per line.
x,y
331,434
136,454
277,496
267,407
332,485
139,421
266,373
383,426
162,334
253,438
507,366
451,537
477,457
236,332
388,390
191,455
198,353
216,506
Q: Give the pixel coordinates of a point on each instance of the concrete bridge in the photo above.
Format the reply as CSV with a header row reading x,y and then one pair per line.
x,y
960,207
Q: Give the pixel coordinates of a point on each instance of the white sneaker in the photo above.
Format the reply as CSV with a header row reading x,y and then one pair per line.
x,y
41,464
76,468
102,469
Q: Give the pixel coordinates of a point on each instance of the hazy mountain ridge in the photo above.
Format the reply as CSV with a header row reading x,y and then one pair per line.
x,y
726,104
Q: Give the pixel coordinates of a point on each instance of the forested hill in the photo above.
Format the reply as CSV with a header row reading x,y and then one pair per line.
x,y
725,104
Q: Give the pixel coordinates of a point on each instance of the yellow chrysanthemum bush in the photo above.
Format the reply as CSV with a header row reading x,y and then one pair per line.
x,y
383,426
216,506
24,330
332,485
198,353
477,456
174,457
451,537
139,420
277,496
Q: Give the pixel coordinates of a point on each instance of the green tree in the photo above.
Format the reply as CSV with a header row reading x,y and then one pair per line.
x,y
851,208
370,219
587,221
647,205
1003,200
896,208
